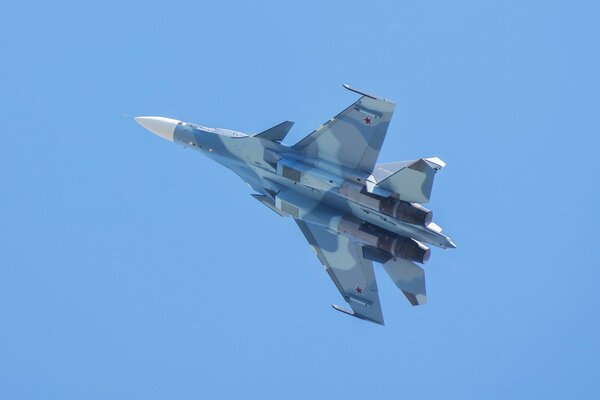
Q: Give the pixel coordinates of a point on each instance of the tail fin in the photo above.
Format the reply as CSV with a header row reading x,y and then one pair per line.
x,y
276,133
412,180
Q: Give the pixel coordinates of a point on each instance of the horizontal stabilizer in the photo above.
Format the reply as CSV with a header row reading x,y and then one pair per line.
x,y
411,180
276,133
410,279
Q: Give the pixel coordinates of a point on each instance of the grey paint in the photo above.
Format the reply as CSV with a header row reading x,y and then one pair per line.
x,y
329,183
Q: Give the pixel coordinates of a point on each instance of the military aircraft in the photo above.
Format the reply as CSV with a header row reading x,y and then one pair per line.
x,y
351,210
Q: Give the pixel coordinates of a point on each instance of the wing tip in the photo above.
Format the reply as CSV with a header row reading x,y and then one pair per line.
x,y
350,88
353,314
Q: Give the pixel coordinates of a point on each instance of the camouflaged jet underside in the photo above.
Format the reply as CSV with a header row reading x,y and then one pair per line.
x,y
351,210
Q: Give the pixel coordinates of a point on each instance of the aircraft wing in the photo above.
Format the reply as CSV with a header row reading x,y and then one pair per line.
x,y
351,273
353,138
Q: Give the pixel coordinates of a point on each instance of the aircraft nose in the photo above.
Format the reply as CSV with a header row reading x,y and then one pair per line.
x,y
160,126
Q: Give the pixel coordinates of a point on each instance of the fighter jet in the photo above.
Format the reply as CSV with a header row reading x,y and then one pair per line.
x,y
351,210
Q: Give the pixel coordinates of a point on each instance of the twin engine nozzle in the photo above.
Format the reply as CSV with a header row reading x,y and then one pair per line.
x,y
383,240
412,213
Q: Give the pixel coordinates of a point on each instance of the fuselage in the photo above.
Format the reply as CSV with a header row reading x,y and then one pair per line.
x,y
352,211
270,167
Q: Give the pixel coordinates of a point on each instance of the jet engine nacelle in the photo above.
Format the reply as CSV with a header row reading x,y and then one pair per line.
x,y
408,212
406,248
385,241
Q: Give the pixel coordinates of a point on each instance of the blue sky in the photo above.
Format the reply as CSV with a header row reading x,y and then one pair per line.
x,y
132,268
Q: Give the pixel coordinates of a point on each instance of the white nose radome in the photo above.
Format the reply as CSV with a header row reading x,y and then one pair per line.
x,y
160,126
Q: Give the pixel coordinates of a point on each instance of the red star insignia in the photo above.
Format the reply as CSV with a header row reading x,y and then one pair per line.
x,y
367,120
358,290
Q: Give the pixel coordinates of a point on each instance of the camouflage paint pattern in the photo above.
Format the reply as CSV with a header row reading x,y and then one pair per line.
x,y
330,177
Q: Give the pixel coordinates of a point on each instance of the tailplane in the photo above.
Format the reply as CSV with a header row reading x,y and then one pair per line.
x,y
410,279
410,180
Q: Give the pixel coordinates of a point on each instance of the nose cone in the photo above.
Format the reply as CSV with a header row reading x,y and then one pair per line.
x,y
160,126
